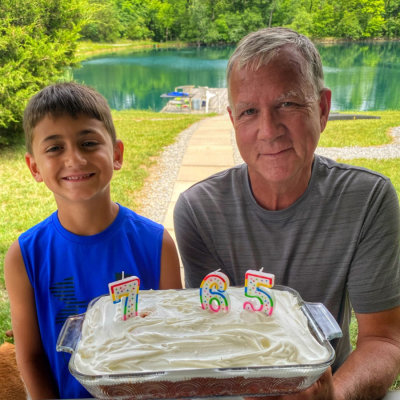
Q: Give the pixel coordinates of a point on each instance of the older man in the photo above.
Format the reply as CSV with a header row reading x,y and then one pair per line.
x,y
331,231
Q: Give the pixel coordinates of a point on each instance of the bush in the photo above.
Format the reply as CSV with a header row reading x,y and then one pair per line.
x,y
37,42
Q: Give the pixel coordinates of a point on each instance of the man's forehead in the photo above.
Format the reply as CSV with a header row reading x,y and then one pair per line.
x,y
286,55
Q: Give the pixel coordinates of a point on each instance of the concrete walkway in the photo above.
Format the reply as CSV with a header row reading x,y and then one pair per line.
x,y
208,151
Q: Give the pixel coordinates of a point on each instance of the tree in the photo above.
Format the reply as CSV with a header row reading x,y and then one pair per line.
x,y
392,18
103,24
37,42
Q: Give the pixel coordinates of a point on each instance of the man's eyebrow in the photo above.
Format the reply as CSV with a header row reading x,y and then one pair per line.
x,y
289,94
244,105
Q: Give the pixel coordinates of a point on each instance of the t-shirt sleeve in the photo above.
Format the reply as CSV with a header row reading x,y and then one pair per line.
x,y
374,277
196,256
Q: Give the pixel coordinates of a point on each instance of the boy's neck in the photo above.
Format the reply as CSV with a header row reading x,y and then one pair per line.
x,y
88,219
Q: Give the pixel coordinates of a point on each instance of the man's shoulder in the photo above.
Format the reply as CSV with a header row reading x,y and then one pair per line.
x,y
335,170
218,183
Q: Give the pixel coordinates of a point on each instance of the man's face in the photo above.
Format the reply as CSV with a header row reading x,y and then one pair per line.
x,y
278,120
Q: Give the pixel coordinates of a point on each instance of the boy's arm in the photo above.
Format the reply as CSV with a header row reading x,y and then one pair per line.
x,y
170,277
31,358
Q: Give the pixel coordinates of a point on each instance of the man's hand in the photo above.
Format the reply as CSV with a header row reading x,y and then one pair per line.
x,y
322,389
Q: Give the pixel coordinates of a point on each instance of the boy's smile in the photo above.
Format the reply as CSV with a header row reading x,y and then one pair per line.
x,y
74,157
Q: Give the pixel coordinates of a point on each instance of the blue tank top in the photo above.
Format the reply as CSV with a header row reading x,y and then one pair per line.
x,y
67,271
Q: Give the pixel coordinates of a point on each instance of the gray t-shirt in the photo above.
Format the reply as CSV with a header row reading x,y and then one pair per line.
x,y
338,244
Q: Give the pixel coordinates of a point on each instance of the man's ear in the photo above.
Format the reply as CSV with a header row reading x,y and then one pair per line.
x,y
325,107
118,155
230,112
31,163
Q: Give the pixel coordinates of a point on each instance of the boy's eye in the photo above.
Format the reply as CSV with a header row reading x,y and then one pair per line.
x,y
53,149
89,143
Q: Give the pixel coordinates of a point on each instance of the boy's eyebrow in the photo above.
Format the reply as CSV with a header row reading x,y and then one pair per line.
x,y
50,138
57,136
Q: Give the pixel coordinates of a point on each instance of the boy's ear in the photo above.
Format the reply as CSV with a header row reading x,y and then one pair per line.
x,y
31,163
118,155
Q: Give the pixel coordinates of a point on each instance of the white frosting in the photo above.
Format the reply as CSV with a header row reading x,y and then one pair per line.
x,y
177,333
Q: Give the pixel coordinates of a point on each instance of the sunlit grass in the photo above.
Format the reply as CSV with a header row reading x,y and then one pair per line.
x,y
361,132
88,49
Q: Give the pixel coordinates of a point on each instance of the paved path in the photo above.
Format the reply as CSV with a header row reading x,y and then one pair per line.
x,y
208,151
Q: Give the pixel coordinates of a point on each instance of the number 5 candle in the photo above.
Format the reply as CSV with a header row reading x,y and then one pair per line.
x,y
213,295
256,286
126,291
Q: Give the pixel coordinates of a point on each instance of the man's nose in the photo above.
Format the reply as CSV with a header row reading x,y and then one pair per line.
x,y
269,126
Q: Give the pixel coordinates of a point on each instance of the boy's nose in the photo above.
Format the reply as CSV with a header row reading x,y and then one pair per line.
x,y
74,157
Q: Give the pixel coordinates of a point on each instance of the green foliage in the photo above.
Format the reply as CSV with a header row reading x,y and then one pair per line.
x,y
37,42
103,24
38,38
216,21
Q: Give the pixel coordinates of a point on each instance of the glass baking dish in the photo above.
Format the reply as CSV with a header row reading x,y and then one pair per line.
x,y
208,382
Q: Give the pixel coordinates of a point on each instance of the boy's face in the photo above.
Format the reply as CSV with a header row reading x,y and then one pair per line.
x,y
74,157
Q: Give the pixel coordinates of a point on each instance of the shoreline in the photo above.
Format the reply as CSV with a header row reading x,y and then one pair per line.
x,y
97,48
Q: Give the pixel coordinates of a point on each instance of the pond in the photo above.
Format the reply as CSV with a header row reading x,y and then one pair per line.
x,y
362,76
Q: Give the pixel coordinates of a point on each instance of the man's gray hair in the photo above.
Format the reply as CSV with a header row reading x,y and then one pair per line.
x,y
260,47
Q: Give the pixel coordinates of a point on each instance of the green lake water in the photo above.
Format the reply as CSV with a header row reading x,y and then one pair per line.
x,y
362,76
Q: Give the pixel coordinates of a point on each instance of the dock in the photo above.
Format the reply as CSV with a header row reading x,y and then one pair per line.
x,y
197,100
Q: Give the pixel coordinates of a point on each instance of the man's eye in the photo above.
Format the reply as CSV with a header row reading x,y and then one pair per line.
x,y
288,104
249,111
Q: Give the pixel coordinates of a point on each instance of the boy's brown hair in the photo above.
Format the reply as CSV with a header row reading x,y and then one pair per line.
x,y
67,98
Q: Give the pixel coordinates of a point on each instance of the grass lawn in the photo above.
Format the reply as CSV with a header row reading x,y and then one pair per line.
x,y
88,49
145,134
360,132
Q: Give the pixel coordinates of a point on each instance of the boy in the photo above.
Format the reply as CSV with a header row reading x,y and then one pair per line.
x,y
55,268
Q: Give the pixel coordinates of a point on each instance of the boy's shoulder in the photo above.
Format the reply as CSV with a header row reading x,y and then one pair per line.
x,y
127,220
137,219
39,227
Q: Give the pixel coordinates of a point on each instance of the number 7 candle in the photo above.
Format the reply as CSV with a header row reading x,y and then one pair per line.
x,y
126,291
256,286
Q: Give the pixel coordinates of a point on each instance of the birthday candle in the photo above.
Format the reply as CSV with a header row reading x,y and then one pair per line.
x,y
213,295
256,286
126,291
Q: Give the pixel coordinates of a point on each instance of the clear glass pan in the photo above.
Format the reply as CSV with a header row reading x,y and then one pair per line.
x,y
212,382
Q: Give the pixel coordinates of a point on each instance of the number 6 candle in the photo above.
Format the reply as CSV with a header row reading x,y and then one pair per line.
x,y
126,291
213,295
256,286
